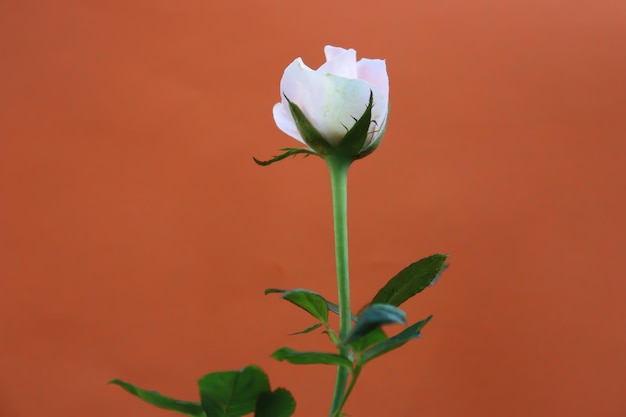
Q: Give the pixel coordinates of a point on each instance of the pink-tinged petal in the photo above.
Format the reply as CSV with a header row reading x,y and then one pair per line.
x,y
285,122
374,71
332,51
339,62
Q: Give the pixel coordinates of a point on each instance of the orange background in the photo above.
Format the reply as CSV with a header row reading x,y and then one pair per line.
x,y
138,235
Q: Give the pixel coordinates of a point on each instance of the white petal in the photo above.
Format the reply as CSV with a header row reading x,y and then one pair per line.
x,y
340,62
295,80
284,120
335,104
331,102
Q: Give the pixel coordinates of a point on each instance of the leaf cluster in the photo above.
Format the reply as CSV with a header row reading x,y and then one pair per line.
x,y
225,394
366,340
247,391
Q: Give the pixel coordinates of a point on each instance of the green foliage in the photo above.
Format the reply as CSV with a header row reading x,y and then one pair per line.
x,y
273,291
278,403
310,301
308,329
232,393
367,339
286,153
189,408
411,280
411,332
374,337
310,358
225,394
332,307
372,318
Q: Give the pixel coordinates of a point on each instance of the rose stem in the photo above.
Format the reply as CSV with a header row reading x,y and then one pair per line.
x,y
338,166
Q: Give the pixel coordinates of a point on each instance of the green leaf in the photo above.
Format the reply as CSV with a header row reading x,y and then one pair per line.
x,y
309,133
189,408
374,337
372,318
411,332
287,152
307,330
232,393
353,142
332,307
274,291
310,358
411,280
310,301
278,403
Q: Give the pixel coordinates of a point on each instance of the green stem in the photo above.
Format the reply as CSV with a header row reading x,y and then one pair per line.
x,y
355,377
338,166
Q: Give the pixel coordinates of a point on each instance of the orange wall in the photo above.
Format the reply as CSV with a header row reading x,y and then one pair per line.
x,y
137,235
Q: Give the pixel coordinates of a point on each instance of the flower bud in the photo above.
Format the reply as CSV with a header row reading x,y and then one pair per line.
x,y
340,108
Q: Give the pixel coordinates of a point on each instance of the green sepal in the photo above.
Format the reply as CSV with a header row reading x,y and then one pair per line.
x,y
412,280
189,408
394,342
278,403
374,317
310,358
375,143
309,133
307,330
309,301
287,152
355,138
232,393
